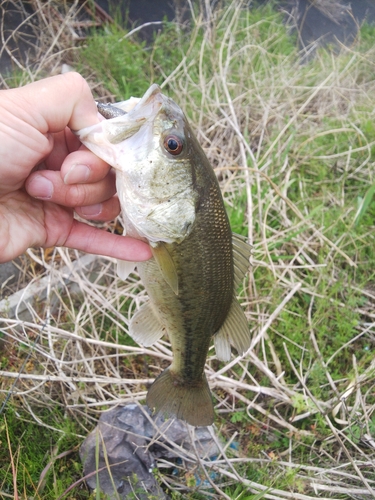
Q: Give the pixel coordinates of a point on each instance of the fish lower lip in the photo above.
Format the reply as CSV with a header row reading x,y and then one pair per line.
x,y
109,111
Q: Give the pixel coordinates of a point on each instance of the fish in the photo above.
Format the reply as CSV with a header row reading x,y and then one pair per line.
x,y
170,197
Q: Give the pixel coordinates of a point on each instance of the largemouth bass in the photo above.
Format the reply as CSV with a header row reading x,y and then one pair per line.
x,y
170,197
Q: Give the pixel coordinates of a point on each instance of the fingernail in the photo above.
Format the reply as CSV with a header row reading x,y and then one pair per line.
x,y
91,210
77,174
40,187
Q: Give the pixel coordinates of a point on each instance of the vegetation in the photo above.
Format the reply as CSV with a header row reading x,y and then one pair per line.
x,y
293,145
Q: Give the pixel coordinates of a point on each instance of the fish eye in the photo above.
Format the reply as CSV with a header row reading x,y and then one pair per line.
x,y
173,144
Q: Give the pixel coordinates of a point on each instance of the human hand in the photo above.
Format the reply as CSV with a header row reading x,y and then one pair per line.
x,y
46,174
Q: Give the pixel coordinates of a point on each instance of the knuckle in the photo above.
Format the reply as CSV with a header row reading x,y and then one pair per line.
x,y
76,196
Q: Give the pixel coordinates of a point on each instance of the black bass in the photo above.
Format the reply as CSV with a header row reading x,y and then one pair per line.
x,y
171,198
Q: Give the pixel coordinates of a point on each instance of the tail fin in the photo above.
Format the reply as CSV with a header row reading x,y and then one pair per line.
x,y
192,403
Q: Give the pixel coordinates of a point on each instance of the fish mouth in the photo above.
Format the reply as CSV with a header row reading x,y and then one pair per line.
x,y
149,95
135,116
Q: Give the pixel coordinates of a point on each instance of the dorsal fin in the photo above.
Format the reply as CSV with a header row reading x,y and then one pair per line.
x,y
234,331
241,256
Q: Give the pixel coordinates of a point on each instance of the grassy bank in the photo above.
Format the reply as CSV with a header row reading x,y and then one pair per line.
x,y
293,147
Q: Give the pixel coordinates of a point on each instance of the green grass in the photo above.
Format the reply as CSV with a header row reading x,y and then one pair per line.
x,y
45,461
294,147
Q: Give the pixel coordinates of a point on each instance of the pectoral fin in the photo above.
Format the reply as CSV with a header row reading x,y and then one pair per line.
x,y
234,331
166,265
145,327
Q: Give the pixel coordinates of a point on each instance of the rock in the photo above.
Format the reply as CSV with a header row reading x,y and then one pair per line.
x,y
126,441
121,440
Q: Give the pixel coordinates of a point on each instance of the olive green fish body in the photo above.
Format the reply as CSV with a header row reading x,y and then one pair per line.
x,y
204,265
171,198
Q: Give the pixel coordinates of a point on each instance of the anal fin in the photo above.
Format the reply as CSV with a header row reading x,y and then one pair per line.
x,y
234,331
145,327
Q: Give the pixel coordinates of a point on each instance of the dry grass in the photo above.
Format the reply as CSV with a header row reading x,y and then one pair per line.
x,y
262,118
